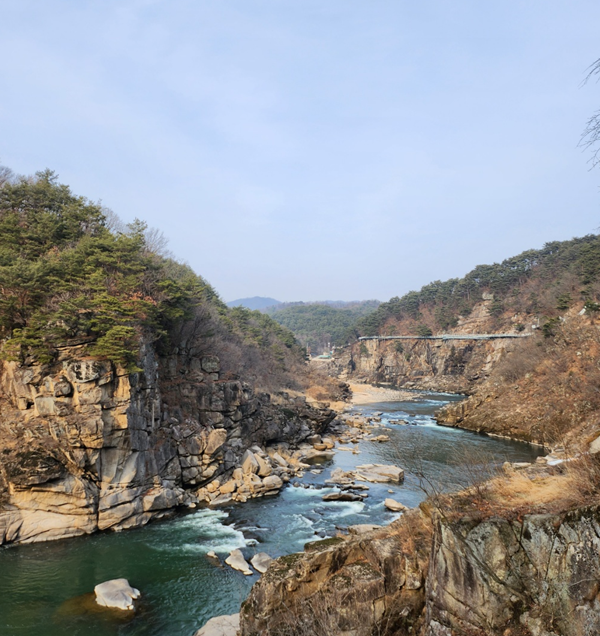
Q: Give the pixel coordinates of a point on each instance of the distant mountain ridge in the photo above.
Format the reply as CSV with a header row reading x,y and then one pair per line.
x,y
256,302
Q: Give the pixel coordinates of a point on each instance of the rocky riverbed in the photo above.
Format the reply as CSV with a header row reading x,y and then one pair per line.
x,y
167,560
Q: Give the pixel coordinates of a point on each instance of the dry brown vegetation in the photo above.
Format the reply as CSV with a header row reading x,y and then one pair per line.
x,y
414,531
545,389
513,493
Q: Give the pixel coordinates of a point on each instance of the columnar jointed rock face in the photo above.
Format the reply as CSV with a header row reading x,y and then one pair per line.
x,y
85,446
452,365
538,576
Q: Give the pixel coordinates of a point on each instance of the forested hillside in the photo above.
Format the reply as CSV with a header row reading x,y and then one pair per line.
x,y
542,282
67,276
543,387
319,325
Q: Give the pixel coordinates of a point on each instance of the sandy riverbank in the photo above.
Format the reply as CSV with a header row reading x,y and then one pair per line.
x,y
368,394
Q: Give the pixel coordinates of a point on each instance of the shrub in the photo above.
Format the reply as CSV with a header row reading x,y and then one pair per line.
x,y
424,331
563,302
550,326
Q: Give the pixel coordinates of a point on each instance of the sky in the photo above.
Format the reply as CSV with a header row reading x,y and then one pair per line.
x,y
310,149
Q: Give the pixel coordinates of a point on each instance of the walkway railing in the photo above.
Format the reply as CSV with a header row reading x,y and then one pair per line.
x,y
452,336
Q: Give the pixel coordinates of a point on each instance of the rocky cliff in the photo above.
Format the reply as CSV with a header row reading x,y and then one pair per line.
x,y
539,575
542,389
534,576
370,583
454,366
86,446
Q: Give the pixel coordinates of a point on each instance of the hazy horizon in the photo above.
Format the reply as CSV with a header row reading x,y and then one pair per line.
x,y
316,150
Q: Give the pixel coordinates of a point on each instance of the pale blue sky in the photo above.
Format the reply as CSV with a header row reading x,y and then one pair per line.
x,y
303,149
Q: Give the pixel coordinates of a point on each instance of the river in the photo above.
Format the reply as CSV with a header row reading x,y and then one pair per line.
x,y
167,560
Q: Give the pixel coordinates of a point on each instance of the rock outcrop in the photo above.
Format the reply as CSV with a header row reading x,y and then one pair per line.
x,y
87,446
538,576
534,576
452,365
340,585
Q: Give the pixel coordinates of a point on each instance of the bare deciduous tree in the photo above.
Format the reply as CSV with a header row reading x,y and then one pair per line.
x,y
591,133
6,175
113,222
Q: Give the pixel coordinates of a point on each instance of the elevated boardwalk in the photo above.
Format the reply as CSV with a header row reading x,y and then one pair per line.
x,y
452,336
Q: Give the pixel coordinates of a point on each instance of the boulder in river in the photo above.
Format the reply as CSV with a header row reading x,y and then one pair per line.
x,y
272,482
382,438
339,476
116,593
375,473
221,626
379,473
394,506
343,496
261,561
237,562
313,456
221,500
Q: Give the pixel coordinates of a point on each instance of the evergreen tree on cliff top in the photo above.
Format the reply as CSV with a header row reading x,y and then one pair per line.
x,y
72,273
65,277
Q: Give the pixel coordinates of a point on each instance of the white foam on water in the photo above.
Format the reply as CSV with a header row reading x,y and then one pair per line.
x,y
211,533
298,522
434,424
345,508
300,529
308,492
254,529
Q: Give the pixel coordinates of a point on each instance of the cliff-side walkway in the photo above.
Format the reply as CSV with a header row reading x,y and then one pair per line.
x,y
451,336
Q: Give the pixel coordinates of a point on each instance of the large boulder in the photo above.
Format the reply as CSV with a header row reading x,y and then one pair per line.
x,y
216,439
343,496
249,463
261,561
272,482
394,506
264,468
313,456
236,561
379,473
221,626
116,594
